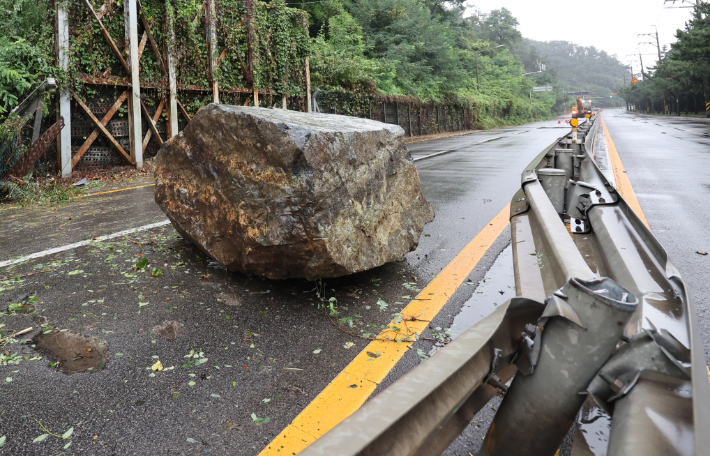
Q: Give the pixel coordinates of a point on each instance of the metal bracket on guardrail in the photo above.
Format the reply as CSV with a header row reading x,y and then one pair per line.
x,y
630,345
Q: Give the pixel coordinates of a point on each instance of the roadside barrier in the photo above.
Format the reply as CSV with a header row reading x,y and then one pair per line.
x,y
601,318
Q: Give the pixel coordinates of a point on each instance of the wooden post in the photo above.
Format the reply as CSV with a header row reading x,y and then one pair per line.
x,y
173,127
420,120
211,38
283,101
409,119
64,99
309,108
256,97
135,128
396,111
384,110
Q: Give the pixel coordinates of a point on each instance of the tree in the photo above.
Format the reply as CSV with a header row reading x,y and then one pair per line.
x,y
501,27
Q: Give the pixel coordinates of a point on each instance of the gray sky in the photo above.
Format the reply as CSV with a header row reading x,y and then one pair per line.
x,y
610,25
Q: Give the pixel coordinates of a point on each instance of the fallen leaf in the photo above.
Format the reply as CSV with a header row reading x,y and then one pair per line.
x,y
702,252
191,440
317,351
157,367
40,438
348,344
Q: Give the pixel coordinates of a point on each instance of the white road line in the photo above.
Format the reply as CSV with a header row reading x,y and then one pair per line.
x,y
681,129
454,150
81,243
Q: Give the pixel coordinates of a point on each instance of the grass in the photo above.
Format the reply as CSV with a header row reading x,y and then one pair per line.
x,y
36,192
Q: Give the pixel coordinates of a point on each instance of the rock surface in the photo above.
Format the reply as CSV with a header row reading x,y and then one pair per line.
x,y
287,194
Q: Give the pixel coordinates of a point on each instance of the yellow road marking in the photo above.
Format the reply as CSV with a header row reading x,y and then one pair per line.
x,y
354,385
114,191
442,137
627,192
623,184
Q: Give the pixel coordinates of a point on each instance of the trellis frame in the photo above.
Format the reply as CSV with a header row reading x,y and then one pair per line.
x,y
137,110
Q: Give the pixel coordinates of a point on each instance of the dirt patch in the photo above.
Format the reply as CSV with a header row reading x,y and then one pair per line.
x,y
169,330
230,299
71,352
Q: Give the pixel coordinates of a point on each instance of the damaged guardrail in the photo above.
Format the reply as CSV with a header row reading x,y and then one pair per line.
x,y
602,319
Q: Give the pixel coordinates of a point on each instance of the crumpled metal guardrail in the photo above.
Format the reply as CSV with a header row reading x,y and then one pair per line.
x,y
601,316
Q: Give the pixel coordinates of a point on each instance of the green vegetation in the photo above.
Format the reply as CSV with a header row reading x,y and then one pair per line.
x,y
39,191
429,50
422,50
681,79
582,68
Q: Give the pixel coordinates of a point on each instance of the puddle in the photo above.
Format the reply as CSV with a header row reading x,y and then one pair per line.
x,y
595,426
497,287
487,296
71,352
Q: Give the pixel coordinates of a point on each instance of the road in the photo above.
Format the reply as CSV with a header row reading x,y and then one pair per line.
x,y
667,160
270,350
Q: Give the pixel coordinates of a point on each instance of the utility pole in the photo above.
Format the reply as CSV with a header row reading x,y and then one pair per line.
x,y
658,43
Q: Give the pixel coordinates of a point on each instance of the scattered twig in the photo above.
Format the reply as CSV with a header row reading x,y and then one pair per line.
x,y
45,430
139,244
20,333
26,275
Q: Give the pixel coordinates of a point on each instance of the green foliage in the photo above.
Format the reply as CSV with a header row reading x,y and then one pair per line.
x,y
578,68
500,27
680,78
22,64
43,192
428,50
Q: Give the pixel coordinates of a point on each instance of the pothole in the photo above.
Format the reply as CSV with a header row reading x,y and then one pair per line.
x,y
169,330
71,352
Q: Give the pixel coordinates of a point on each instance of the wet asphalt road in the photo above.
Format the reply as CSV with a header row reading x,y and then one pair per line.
x,y
667,160
259,336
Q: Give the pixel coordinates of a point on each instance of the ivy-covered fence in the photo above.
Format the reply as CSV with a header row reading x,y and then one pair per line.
x,y
414,116
137,70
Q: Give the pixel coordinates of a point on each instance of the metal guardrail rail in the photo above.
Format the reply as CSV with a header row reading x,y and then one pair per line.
x,y
602,320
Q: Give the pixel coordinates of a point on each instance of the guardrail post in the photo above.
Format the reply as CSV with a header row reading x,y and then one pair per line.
x,y
582,324
64,99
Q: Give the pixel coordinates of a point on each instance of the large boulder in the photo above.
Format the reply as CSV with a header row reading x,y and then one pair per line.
x,y
288,194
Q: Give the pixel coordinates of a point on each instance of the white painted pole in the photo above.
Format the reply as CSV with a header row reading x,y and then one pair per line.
x,y
210,18
172,82
135,127
309,107
64,95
